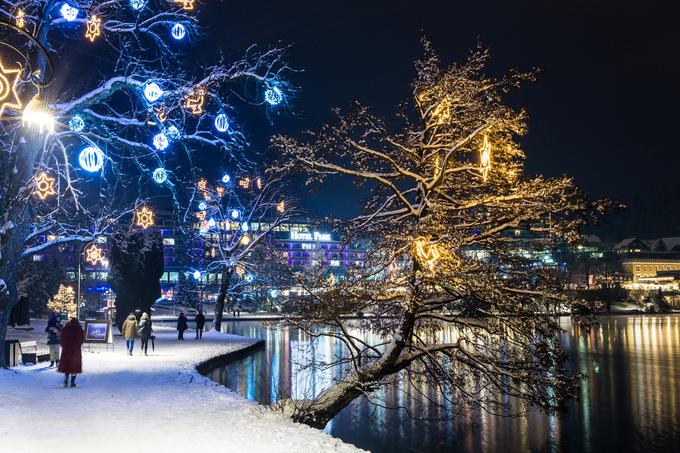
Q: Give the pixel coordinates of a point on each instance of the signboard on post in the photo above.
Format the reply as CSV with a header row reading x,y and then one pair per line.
x,y
98,331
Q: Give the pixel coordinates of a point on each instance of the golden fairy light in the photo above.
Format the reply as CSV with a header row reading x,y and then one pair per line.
x,y
186,4
44,186
258,182
485,158
244,182
161,113
245,239
281,206
93,27
220,191
144,217
202,184
194,101
8,88
427,253
94,255
20,17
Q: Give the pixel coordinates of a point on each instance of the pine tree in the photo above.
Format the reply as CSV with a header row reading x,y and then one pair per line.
x,y
63,302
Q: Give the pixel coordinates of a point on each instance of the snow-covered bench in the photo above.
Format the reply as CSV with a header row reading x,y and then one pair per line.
x,y
29,352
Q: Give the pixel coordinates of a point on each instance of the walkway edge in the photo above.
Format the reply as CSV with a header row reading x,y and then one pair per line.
x,y
224,359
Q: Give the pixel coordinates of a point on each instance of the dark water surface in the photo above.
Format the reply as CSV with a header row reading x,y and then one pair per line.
x,y
629,401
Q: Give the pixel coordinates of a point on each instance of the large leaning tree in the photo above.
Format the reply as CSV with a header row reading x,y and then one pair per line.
x,y
106,110
455,228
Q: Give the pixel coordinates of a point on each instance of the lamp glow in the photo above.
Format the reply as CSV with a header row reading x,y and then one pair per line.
x,y
35,114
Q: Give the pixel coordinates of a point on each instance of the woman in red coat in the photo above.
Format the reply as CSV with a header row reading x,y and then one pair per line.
x,y
72,338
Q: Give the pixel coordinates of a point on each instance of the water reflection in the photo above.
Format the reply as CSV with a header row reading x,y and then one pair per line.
x,y
628,401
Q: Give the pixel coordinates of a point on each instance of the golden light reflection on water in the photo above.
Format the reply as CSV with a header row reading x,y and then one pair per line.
x,y
628,399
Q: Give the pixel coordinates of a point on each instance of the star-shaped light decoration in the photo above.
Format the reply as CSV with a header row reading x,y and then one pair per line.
x,y
202,184
194,101
93,28
44,186
144,217
186,4
8,88
94,255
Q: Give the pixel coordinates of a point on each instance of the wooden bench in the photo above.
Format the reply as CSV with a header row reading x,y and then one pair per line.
x,y
29,352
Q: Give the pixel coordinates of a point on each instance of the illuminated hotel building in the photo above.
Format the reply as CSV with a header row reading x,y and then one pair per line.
x,y
651,264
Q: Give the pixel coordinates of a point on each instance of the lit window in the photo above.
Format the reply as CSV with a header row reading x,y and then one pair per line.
x,y
306,246
168,241
38,257
335,262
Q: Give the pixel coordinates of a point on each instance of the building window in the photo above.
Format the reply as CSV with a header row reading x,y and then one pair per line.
x,y
335,263
168,241
306,246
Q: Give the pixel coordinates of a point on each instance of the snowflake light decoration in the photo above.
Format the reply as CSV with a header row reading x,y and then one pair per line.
x,y
173,133
273,96
91,159
160,175
93,28
152,92
144,217
137,4
160,142
94,255
44,186
76,124
8,88
178,31
68,12
194,101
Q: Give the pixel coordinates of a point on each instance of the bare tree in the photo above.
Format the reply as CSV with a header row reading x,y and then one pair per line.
x,y
455,230
127,93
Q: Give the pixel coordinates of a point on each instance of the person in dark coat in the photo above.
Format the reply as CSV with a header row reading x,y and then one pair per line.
x,y
71,363
200,324
53,330
144,331
181,326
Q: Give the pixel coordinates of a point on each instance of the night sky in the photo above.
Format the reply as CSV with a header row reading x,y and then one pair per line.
x,y
604,110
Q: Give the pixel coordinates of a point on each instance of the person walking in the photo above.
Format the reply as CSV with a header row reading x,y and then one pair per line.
x,y
129,331
145,330
53,330
181,325
200,324
71,363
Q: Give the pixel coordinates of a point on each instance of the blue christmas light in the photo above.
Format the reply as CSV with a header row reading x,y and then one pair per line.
x,y
235,214
197,275
250,278
273,96
68,12
137,4
202,205
173,133
152,92
274,293
226,179
160,175
178,31
221,122
211,222
76,124
160,141
244,226
91,159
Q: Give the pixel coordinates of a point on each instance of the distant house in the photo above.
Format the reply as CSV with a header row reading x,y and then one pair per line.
x,y
651,263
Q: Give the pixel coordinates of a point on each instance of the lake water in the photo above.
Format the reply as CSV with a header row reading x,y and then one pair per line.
x,y
629,401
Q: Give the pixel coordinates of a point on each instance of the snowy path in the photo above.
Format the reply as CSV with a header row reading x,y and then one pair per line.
x,y
143,404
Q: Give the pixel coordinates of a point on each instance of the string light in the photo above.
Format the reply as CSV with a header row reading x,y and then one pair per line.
x,y
244,226
161,113
144,217
93,29
194,101
178,31
36,114
281,207
173,133
226,179
273,96
221,122
219,190
235,214
8,88
152,92
202,205
21,22
245,239
91,159
485,158
258,182
160,175
68,12
202,184
244,182
427,253
76,124
94,255
44,186
197,275
160,141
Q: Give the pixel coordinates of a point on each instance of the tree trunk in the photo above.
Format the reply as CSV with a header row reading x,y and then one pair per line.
x,y
319,412
221,297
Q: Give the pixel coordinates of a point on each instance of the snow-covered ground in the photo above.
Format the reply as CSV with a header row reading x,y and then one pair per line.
x,y
158,403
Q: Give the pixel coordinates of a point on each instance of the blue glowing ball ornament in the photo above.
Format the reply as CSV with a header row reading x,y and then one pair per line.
x,y
178,31
250,278
244,226
76,124
137,4
197,275
173,133
68,12
235,214
91,159
160,141
152,92
160,175
274,293
273,96
202,205
226,179
211,223
221,122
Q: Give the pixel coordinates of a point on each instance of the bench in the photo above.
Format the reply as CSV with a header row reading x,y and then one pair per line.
x,y
29,352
